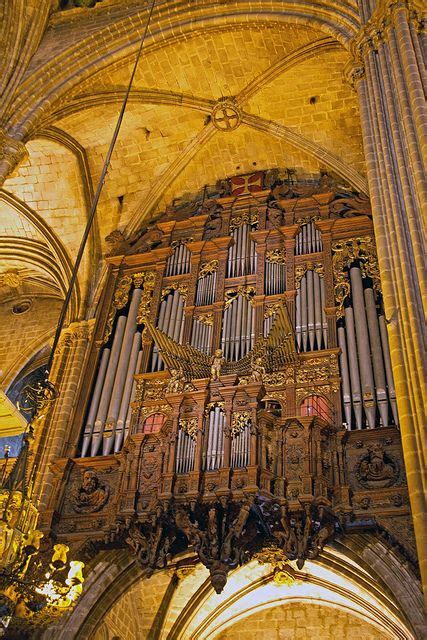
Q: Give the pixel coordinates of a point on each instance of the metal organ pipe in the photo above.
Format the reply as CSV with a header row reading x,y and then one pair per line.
x,y
108,385
388,369
377,356
95,401
362,336
120,377
179,261
308,240
132,396
324,320
242,253
356,394
124,405
303,293
318,309
310,308
346,390
311,327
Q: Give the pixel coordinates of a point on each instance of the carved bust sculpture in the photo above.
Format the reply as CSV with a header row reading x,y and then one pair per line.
x,y
91,495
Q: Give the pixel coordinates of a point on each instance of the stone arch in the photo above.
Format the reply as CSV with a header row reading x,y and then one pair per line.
x,y
385,593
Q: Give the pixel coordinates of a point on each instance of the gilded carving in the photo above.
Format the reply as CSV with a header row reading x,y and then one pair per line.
x,y
346,252
207,268
239,421
277,256
249,216
189,426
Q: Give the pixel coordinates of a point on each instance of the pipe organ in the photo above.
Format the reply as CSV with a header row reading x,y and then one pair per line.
x,y
240,364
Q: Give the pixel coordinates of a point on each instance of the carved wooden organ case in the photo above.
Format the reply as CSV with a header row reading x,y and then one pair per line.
x,y
239,388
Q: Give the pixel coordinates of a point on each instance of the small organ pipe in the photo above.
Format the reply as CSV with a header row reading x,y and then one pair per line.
x,y
354,367
377,356
108,385
366,374
124,405
95,401
388,369
346,390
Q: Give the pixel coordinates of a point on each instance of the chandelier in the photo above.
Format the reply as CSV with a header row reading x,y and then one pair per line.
x,y
35,585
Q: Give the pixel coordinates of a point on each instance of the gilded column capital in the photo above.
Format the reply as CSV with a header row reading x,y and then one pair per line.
x,y
375,32
12,152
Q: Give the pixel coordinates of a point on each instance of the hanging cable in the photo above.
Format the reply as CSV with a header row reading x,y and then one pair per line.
x,y
46,391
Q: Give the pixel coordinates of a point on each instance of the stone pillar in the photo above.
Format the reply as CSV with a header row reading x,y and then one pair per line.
x,y
387,72
53,431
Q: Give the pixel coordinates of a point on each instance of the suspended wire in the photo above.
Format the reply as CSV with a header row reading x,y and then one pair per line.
x,y
96,198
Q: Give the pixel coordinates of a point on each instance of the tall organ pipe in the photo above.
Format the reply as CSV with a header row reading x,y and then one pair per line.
x,y
122,366
377,356
108,385
132,396
388,369
346,390
124,405
356,395
362,336
95,401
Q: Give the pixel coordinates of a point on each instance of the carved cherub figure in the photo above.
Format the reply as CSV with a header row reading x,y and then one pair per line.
x,y
177,381
258,370
217,362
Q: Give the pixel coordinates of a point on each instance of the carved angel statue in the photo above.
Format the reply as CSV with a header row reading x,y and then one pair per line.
x,y
217,362
258,370
268,354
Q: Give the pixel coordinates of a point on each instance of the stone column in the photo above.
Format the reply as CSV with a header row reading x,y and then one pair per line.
x,y
388,72
53,431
